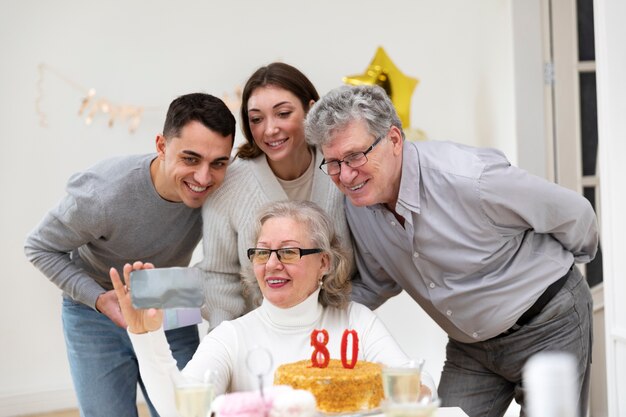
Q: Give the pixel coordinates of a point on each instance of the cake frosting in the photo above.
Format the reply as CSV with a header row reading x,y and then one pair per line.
x,y
336,389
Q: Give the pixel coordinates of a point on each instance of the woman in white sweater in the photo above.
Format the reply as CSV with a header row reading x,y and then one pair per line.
x,y
301,268
274,164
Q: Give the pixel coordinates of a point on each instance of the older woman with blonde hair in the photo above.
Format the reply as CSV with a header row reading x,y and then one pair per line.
x,y
301,268
335,283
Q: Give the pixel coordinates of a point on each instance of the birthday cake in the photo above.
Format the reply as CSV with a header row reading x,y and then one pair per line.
x,y
336,389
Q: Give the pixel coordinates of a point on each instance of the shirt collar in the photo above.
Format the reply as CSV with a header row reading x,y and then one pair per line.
x,y
305,313
410,182
409,194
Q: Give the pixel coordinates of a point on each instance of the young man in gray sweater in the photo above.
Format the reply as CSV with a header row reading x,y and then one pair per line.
x,y
138,207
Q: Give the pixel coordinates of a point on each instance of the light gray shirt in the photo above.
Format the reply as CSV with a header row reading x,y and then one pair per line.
x,y
111,215
481,241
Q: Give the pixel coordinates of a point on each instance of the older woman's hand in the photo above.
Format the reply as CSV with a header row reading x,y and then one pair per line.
x,y
139,321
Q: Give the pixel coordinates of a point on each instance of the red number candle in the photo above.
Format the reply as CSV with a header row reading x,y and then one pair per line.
x,y
344,348
320,352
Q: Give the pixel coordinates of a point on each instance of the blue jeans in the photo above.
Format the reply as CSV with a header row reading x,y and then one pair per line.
x,y
483,378
103,363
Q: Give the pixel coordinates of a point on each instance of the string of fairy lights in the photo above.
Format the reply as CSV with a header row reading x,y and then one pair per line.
x,y
93,105
381,71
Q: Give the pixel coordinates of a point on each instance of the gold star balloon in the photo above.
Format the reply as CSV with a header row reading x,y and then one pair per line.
x,y
383,72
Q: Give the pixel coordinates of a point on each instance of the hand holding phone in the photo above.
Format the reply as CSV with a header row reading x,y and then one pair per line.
x,y
138,320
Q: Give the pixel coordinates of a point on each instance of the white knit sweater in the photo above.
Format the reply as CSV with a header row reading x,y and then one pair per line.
x,y
228,227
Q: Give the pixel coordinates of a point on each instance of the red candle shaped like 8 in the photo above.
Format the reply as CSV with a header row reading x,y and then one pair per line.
x,y
320,356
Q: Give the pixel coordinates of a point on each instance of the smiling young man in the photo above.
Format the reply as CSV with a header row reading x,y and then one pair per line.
x,y
137,207
485,248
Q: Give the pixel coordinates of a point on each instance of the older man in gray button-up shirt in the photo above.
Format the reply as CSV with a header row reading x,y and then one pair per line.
x,y
485,248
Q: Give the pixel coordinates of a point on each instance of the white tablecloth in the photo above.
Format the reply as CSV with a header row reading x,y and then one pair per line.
x,y
441,412
450,412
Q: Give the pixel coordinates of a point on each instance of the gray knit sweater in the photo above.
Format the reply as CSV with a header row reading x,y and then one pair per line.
x,y
111,215
229,216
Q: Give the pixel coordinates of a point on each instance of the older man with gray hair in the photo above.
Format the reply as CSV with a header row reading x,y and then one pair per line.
x,y
485,248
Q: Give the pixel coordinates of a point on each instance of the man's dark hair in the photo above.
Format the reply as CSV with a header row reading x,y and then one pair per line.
x,y
204,108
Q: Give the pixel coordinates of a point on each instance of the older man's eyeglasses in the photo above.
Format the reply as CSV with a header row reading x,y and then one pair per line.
x,y
285,255
354,160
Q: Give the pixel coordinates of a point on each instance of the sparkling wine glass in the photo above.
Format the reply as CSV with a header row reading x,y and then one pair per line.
x,y
193,398
402,383
409,391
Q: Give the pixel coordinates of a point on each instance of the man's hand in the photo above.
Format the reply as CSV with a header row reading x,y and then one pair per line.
x,y
108,305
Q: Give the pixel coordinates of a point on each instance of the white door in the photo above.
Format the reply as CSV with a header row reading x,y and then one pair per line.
x,y
589,116
611,70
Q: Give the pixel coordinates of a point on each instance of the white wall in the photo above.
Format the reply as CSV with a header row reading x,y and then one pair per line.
x,y
148,52
533,145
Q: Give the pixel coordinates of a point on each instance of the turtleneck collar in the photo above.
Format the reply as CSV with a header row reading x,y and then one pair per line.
x,y
303,314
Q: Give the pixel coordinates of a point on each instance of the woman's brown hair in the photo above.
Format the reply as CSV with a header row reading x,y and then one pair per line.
x,y
276,74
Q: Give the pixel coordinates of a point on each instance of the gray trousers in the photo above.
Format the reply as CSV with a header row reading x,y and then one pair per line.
x,y
484,377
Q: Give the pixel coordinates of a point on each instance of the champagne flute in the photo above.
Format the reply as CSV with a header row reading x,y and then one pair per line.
x,y
259,363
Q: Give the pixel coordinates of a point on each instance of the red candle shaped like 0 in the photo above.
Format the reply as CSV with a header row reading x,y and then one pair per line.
x,y
344,348
320,351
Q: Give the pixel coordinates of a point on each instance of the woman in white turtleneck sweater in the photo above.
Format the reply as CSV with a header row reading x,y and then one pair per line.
x,y
302,291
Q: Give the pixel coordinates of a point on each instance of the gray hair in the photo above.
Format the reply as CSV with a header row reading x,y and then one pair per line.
x,y
346,104
336,286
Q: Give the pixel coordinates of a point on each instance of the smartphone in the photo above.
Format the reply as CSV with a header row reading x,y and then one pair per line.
x,y
175,287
